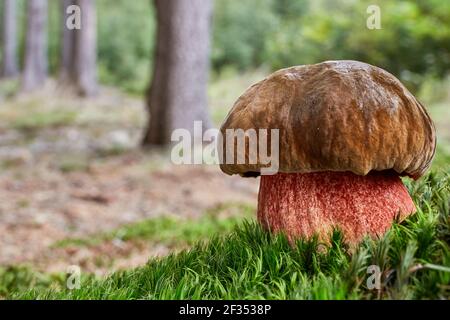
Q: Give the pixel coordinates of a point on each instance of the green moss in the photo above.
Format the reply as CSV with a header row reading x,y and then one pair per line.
x,y
170,230
248,263
39,120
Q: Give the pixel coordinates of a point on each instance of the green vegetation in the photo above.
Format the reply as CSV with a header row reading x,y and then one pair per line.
x,y
19,278
413,44
169,230
414,258
73,164
126,33
39,120
442,158
8,87
413,41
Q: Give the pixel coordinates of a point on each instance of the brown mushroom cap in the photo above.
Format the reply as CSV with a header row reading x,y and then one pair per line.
x,y
336,116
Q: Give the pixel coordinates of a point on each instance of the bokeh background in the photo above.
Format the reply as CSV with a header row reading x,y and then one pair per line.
x,y
77,188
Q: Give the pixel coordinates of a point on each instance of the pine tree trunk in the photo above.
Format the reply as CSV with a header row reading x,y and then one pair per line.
x,y
66,72
86,49
178,94
79,50
9,63
35,65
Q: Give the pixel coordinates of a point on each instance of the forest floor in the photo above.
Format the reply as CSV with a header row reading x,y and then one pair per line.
x,y
72,168
75,189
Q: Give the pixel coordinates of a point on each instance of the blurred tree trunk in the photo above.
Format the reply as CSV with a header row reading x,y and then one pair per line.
x,y
178,93
85,51
35,65
79,49
66,72
9,63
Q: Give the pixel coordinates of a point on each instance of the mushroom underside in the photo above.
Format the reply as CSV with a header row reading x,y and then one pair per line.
x,y
303,204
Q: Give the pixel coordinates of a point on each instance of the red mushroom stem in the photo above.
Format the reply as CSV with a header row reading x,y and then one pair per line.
x,y
302,204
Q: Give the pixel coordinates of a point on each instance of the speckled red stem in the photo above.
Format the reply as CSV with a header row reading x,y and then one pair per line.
x,y
303,204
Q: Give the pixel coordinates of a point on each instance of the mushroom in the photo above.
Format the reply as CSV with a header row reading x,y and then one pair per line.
x,y
347,132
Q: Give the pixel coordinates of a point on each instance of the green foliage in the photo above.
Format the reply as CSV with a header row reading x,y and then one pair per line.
x,y
73,164
414,39
8,87
170,230
239,32
54,34
414,258
126,33
413,44
18,278
39,120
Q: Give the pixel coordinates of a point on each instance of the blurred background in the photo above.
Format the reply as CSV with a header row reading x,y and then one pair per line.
x,y
90,94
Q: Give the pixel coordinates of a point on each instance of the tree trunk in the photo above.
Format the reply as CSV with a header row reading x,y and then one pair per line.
x,y
178,94
66,72
9,64
79,49
85,51
35,65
